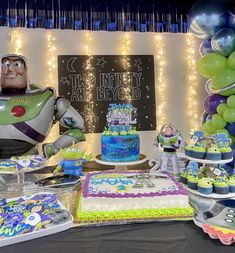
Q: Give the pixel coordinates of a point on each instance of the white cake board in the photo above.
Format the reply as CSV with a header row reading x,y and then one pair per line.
x,y
121,166
39,233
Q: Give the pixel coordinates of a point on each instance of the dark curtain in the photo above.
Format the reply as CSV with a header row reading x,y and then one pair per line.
x,y
109,15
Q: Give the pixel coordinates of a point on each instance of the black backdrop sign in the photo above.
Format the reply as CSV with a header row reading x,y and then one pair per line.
x,y
109,75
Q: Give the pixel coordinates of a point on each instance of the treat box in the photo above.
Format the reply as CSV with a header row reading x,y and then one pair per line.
x,y
39,233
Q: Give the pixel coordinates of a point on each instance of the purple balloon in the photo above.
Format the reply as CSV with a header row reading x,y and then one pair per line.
x,y
205,47
205,117
231,128
211,102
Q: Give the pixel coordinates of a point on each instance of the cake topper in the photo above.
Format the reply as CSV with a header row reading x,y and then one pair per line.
x,y
221,139
121,114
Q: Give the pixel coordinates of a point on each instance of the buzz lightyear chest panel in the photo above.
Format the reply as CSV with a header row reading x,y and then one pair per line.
x,y
22,108
33,130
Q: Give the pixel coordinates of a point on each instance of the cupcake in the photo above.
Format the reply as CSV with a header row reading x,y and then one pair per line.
x,y
192,182
226,153
205,185
213,153
183,176
231,184
199,152
188,150
221,185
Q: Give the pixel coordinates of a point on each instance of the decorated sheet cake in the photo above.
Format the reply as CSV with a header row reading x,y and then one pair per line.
x,y
117,196
32,216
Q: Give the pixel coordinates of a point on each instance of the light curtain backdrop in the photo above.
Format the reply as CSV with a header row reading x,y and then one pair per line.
x,y
175,69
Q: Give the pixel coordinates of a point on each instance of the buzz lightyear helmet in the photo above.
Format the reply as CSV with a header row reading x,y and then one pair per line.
x,y
168,140
25,61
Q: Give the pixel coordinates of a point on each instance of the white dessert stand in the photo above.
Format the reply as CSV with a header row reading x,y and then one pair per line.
x,y
212,195
206,162
20,181
121,166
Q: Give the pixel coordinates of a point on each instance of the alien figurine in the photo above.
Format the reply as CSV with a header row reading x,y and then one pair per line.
x,y
28,113
73,161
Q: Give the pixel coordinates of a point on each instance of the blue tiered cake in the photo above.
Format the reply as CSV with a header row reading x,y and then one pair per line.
x,y
120,140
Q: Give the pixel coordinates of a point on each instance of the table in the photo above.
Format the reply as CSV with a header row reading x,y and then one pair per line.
x,y
159,237
167,237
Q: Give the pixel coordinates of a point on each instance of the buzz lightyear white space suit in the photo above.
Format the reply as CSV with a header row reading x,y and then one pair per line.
x,y
170,140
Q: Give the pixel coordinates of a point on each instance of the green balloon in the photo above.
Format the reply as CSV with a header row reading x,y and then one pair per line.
x,y
209,128
231,101
210,64
221,108
229,115
222,79
206,134
231,60
218,121
223,130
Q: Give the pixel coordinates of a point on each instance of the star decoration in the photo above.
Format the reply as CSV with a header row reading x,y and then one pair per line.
x,y
101,62
64,80
137,64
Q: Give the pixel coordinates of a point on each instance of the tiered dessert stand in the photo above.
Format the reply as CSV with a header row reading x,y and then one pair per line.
x,y
203,202
216,164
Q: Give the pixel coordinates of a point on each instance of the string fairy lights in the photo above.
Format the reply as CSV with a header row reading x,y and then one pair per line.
x,y
51,60
90,85
161,82
126,66
51,81
192,84
15,42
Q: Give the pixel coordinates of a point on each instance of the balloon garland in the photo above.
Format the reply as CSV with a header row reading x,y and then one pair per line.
x,y
215,24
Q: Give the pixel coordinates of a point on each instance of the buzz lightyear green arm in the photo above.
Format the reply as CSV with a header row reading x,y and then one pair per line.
x,y
68,117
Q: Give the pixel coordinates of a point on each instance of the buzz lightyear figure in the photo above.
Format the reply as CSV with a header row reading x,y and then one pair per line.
x,y
28,113
170,140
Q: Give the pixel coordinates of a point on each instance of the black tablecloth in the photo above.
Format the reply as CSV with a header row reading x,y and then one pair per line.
x,y
167,237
